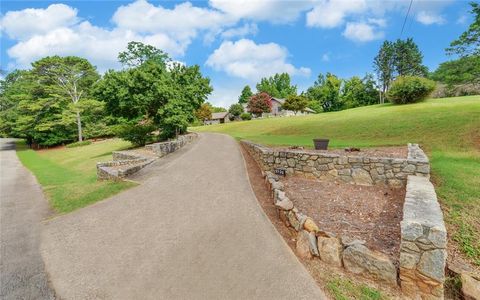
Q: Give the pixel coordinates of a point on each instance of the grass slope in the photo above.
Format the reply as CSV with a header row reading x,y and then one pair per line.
x,y
68,175
448,129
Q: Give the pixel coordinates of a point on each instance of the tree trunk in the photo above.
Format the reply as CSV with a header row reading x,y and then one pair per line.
x,y
79,126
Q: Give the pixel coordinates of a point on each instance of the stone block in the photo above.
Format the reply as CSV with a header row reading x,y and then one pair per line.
x,y
330,250
358,259
310,226
470,286
303,245
432,264
361,177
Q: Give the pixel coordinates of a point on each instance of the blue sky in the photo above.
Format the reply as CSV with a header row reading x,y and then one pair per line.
x,y
235,42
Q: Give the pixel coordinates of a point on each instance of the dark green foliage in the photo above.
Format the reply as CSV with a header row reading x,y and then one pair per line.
x,y
408,59
138,133
277,86
383,65
149,90
410,89
359,92
460,71
246,94
78,144
246,116
137,53
235,109
468,43
295,103
326,91
399,58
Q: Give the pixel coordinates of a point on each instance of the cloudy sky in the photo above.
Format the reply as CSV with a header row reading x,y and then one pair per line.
x,y
235,42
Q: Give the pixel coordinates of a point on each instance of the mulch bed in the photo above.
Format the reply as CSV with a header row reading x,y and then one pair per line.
x,y
370,213
389,152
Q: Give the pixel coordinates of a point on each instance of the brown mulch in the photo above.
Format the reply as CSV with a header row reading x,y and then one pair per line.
x,y
389,152
321,273
369,213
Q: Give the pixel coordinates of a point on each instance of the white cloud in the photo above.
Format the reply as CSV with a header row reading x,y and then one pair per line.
x,y
248,60
56,30
98,45
29,22
429,18
247,29
326,57
332,13
361,32
263,10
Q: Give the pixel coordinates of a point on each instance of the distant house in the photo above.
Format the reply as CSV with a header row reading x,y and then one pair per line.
x,y
218,118
277,110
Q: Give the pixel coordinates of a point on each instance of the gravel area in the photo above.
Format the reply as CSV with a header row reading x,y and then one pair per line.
x,y
390,152
370,213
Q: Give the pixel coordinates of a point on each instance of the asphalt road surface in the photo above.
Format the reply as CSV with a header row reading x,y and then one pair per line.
x,y
22,209
192,230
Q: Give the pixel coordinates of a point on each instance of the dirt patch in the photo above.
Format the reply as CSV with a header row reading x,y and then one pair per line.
x,y
389,152
320,272
370,213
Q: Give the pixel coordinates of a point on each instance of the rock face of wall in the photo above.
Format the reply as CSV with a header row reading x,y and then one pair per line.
x,y
126,163
423,242
349,168
164,148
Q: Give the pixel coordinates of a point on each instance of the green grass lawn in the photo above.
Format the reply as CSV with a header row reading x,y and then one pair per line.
x,y
68,175
448,129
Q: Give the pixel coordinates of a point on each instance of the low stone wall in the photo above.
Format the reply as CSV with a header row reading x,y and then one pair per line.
x,y
314,243
126,163
164,148
349,168
119,169
423,242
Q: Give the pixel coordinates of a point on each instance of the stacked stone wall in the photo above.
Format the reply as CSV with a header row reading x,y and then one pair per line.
x,y
350,168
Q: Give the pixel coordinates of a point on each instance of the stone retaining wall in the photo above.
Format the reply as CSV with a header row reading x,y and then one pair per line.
x,y
164,148
314,243
126,163
423,242
349,168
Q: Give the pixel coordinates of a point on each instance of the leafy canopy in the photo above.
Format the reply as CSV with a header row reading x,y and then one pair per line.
x,y
460,71
245,95
236,109
277,86
260,103
468,43
295,103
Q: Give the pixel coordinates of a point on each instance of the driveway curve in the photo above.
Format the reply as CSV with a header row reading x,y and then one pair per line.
x,y
192,230
22,209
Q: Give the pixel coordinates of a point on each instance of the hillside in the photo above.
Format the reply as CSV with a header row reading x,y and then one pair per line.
x,y
448,129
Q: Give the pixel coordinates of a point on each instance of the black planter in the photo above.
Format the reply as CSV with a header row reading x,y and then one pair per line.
x,y
321,144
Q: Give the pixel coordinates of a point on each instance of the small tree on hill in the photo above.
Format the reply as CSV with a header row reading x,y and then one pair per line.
x,y
295,103
260,103
236,110
246,94
204,112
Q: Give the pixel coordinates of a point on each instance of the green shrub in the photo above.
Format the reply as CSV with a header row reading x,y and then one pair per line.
x,y
137,134
246,116
410,89
78,144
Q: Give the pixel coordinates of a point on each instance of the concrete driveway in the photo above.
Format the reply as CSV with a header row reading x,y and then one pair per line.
x,y
192,230
22,208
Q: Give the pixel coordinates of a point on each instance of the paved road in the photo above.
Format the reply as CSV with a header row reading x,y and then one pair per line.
x,y
193,230
22,208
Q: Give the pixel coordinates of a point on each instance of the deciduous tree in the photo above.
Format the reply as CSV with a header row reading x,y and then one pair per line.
x,y
260,103
245,95
295,103
277,86
468,43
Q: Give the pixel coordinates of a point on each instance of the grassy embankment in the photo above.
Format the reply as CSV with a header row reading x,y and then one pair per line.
x,y
68,175
448,129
